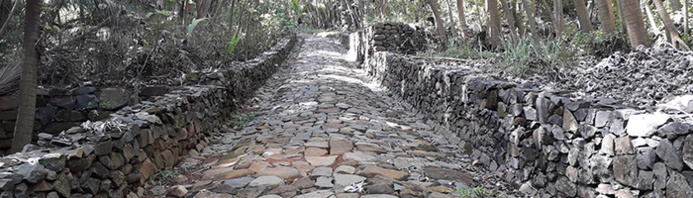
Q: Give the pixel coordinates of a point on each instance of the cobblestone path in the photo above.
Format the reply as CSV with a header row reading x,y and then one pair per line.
x,y
321,130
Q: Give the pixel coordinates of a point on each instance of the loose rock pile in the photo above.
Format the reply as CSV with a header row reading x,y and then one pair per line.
x,y
642,78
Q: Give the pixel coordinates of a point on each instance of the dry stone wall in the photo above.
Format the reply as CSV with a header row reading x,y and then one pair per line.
x,y
59,109
392,37
114,157
548,143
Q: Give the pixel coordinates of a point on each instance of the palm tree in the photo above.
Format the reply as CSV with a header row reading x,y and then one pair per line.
x,y
630,10
583,16
27,84
606,16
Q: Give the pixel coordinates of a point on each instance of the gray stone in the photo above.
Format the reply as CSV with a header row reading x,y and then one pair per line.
x,y
608,145
674,129
623,146
530,113
644,125
646,157
587,131
324,182
380,188
317,194
271,181
238,182
626,170
83,90
346,179
113,98
602,118
669,155
660,175
687,151
565,186
322,171
645,180
87,102
677,186
543,106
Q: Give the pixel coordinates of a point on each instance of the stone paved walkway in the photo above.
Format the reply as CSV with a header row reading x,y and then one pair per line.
x,y
321,130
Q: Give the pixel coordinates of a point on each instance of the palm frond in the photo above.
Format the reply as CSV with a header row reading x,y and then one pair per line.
x,y
9,78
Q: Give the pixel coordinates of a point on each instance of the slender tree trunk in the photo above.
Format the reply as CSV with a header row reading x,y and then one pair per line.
x,y
452,19
510,19
558,17
619,5
518,20
583,16
208,3
675,4
233,6
530,10
384,8
440,28
606,16
404,6
27,85
634,24
460,15
650,18
674,37
685,16
494,23
200,4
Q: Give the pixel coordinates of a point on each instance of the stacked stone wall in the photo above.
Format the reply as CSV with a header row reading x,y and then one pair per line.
x,y
114,158
548,143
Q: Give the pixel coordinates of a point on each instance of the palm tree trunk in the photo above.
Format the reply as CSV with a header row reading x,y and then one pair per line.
x,y
674,37
460,15
606,16
440,27
633,19
675,4
27,85
494,22
583,16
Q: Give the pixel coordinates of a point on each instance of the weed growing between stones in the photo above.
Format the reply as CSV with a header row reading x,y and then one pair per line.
x,y
163,177
467,192
241,120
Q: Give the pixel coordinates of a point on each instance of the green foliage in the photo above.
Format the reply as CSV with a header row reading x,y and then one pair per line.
x,y
233,42
163,177
517,56
467,192
192,77
191,27
104,105
241,120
